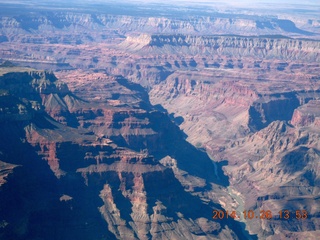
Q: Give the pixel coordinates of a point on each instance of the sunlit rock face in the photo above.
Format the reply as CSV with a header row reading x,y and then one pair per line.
x,y
88,165
114,144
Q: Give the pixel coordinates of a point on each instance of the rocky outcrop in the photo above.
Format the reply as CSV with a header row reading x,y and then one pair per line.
x,y
307,114
237,46
284,107
31,82
159,21
102,186
5,170
12,109
281,171
245,97
234,114
44,91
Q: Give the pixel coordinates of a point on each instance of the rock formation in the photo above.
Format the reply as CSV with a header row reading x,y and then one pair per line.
x,y
115,143
97,175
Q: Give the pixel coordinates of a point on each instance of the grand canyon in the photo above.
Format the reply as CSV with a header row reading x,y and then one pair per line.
x,y
142,120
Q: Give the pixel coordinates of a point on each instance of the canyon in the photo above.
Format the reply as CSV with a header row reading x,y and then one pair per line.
x,y
137,124
98,156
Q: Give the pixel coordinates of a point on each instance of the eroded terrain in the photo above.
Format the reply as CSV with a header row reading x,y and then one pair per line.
x,y
135,108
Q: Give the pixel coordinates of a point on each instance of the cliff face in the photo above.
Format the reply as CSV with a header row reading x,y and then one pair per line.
x,y
242,111
230,86
6,169
81,177
222,109
81,23
235,46
307,114
281,171
249,100
283,107
43,91
66,38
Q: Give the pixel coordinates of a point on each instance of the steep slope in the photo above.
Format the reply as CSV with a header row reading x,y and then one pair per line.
x,y
307,114
242,87
281,172
76,176
233,110
77,22
266,47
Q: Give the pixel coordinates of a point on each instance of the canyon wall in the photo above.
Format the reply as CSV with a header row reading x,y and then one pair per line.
x,y
242,88
102,177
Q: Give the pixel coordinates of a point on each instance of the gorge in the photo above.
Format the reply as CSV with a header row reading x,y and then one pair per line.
x,y
138,124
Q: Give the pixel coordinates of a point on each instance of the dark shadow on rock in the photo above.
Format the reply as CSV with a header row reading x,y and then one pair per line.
x,y
289,26
142,93
172,195
189,158
160,108
177,120
31,196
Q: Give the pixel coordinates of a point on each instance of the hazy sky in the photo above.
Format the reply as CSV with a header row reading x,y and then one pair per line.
x,y
310,4
317,2
229,2
248,3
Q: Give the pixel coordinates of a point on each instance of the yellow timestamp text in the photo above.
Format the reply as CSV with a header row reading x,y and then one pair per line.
x,y
262,214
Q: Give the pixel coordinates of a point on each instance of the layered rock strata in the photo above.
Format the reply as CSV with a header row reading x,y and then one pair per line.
x,y
92,180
